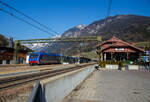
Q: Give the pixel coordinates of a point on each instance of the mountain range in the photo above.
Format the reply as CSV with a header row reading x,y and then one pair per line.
x,y
131,28
123,26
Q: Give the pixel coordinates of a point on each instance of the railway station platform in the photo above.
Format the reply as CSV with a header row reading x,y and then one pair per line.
x,y
86,84
113,86
57,80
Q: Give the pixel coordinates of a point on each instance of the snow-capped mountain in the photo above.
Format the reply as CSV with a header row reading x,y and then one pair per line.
x,y
127,27
37,46
73,31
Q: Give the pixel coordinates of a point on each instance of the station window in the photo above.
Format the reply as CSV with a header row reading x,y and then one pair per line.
x,y
1,62
7,61
20,60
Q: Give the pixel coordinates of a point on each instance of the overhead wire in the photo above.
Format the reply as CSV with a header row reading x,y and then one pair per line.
x,y
108,11
107,15
25,21
44,26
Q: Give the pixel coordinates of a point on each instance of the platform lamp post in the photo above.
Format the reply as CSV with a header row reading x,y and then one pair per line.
x,y
61,55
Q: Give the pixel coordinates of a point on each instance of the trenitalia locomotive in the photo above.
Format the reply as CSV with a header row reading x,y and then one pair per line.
x,y
38,58
43,58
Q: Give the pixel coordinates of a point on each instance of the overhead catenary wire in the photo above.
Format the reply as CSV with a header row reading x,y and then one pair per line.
x,y
108,11
107,16
109,8
25,21
42,25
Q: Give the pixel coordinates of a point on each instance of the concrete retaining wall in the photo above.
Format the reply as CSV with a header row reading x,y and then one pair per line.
x,y
56,88
133,67
129,67
109,66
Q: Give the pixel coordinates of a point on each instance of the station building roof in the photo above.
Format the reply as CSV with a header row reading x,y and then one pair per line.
x,y
112,44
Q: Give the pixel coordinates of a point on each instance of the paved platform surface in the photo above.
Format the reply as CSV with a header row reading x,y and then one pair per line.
x,y
113,86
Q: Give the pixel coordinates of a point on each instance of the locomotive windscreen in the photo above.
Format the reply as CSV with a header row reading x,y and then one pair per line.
x,y
32,56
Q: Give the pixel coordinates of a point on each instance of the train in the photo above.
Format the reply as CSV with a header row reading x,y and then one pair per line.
x,y
40,58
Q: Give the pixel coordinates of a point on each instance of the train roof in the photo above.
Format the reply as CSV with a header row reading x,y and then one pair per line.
x,y
47,53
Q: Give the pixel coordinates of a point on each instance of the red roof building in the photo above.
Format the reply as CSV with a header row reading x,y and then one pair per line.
x,y
7,54
116,49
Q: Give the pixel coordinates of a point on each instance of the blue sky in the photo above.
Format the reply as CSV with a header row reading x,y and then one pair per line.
x,y
61,15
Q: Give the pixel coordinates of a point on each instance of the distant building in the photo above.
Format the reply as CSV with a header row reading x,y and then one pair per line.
x,y
6,55
116,49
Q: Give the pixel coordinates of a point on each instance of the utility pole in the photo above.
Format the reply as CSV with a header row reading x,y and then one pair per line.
x,y
61,49
11,42
149,60
99,39
61,54
15,56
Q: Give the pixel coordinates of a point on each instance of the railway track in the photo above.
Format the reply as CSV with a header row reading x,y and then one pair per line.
x,y
10,82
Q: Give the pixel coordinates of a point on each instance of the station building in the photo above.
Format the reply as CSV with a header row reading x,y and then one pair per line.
x,y
116,49
6,55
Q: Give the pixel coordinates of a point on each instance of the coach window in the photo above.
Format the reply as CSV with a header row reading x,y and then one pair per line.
x,y
52,57
49,57
41,57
